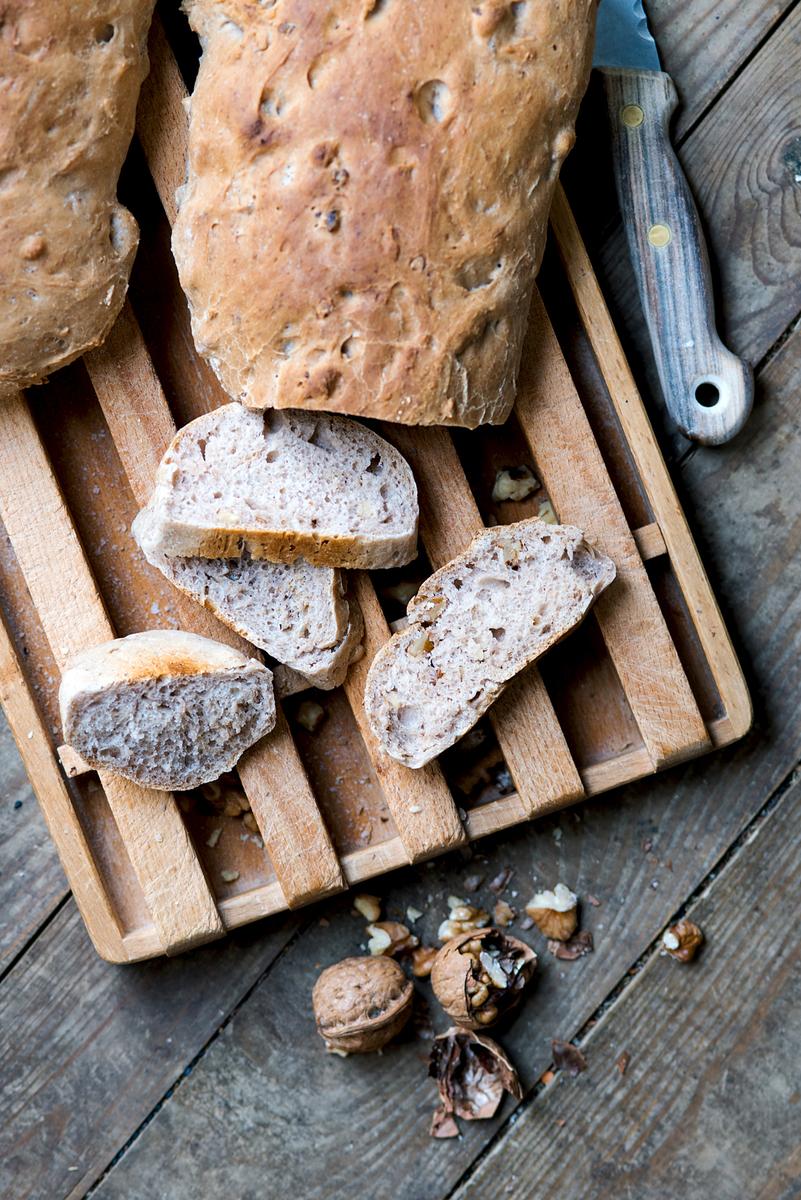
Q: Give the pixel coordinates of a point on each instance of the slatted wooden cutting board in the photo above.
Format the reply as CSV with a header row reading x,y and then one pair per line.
x,y
650,679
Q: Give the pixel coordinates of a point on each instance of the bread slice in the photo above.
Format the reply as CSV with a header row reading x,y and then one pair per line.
x,y
367,197
282,486
295,612
166,709
474,624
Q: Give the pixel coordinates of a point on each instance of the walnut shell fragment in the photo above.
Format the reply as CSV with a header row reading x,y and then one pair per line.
x,y
555,913
360,1004
682,940
479,976
472,1073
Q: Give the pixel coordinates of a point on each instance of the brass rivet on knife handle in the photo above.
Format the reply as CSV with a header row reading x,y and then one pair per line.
x,y
525,724
74,618
272,774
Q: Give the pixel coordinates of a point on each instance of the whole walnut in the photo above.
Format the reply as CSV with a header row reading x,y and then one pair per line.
x,y
479,976
360,1004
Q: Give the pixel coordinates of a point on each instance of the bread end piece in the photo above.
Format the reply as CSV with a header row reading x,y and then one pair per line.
x,y
164,708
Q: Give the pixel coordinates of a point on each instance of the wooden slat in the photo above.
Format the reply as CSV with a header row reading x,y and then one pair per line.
x,y
73,617
420,801
572,470
56,804
272,774
524,720
162,118
684,558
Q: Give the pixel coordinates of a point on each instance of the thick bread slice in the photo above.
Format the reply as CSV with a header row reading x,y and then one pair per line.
x,y
295,612
367,197
474,624
166,709
282,486
71,76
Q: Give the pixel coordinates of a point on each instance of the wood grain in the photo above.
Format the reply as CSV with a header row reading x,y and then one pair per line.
x,y
87,1051
175,889
702,45
708,1105
655,478
569,463
420,801
741,163
272,773
668,251
524,720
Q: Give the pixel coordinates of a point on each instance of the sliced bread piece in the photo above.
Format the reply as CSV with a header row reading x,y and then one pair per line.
x,y
297,613
285,485
164,708
473,625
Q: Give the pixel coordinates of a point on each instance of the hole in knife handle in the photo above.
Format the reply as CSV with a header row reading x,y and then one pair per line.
x,y
707,394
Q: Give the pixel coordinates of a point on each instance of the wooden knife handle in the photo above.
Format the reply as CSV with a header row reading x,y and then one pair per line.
x,y
708,390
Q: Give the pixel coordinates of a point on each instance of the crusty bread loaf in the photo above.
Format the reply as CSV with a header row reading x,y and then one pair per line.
x,y
473,625
164,708
284,485
297,613
71,76
368,194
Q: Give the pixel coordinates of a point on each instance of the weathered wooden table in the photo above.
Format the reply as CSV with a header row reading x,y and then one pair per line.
x,y
201,1076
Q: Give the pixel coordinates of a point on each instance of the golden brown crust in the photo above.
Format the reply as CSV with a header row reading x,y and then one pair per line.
x,y
69,81
369,186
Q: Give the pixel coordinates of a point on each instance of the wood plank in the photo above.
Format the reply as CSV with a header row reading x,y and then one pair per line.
x,y
33,746
708,1105
703,44
689,815
657,484
32,883
420,801
272,773
524,721
73,616
570,465
87,1050
161,119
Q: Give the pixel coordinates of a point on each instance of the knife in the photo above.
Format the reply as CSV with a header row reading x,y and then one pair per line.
x,y
707,389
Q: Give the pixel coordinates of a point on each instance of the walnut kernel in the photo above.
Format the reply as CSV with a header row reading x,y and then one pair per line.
x,y
682,940
480,975
555,913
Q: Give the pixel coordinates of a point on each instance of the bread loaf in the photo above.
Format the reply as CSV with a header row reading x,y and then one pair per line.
x,y
473,625
164,708
282,486
368,194
295,612
70,80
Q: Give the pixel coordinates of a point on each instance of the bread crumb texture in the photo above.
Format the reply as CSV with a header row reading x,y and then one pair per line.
x,y
476,623
71,75
367,197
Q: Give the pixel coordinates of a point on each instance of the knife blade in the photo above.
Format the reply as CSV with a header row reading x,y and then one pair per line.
x,y
708,390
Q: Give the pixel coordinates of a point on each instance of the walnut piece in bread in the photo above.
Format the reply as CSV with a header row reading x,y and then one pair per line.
x,y
71,77
368,194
